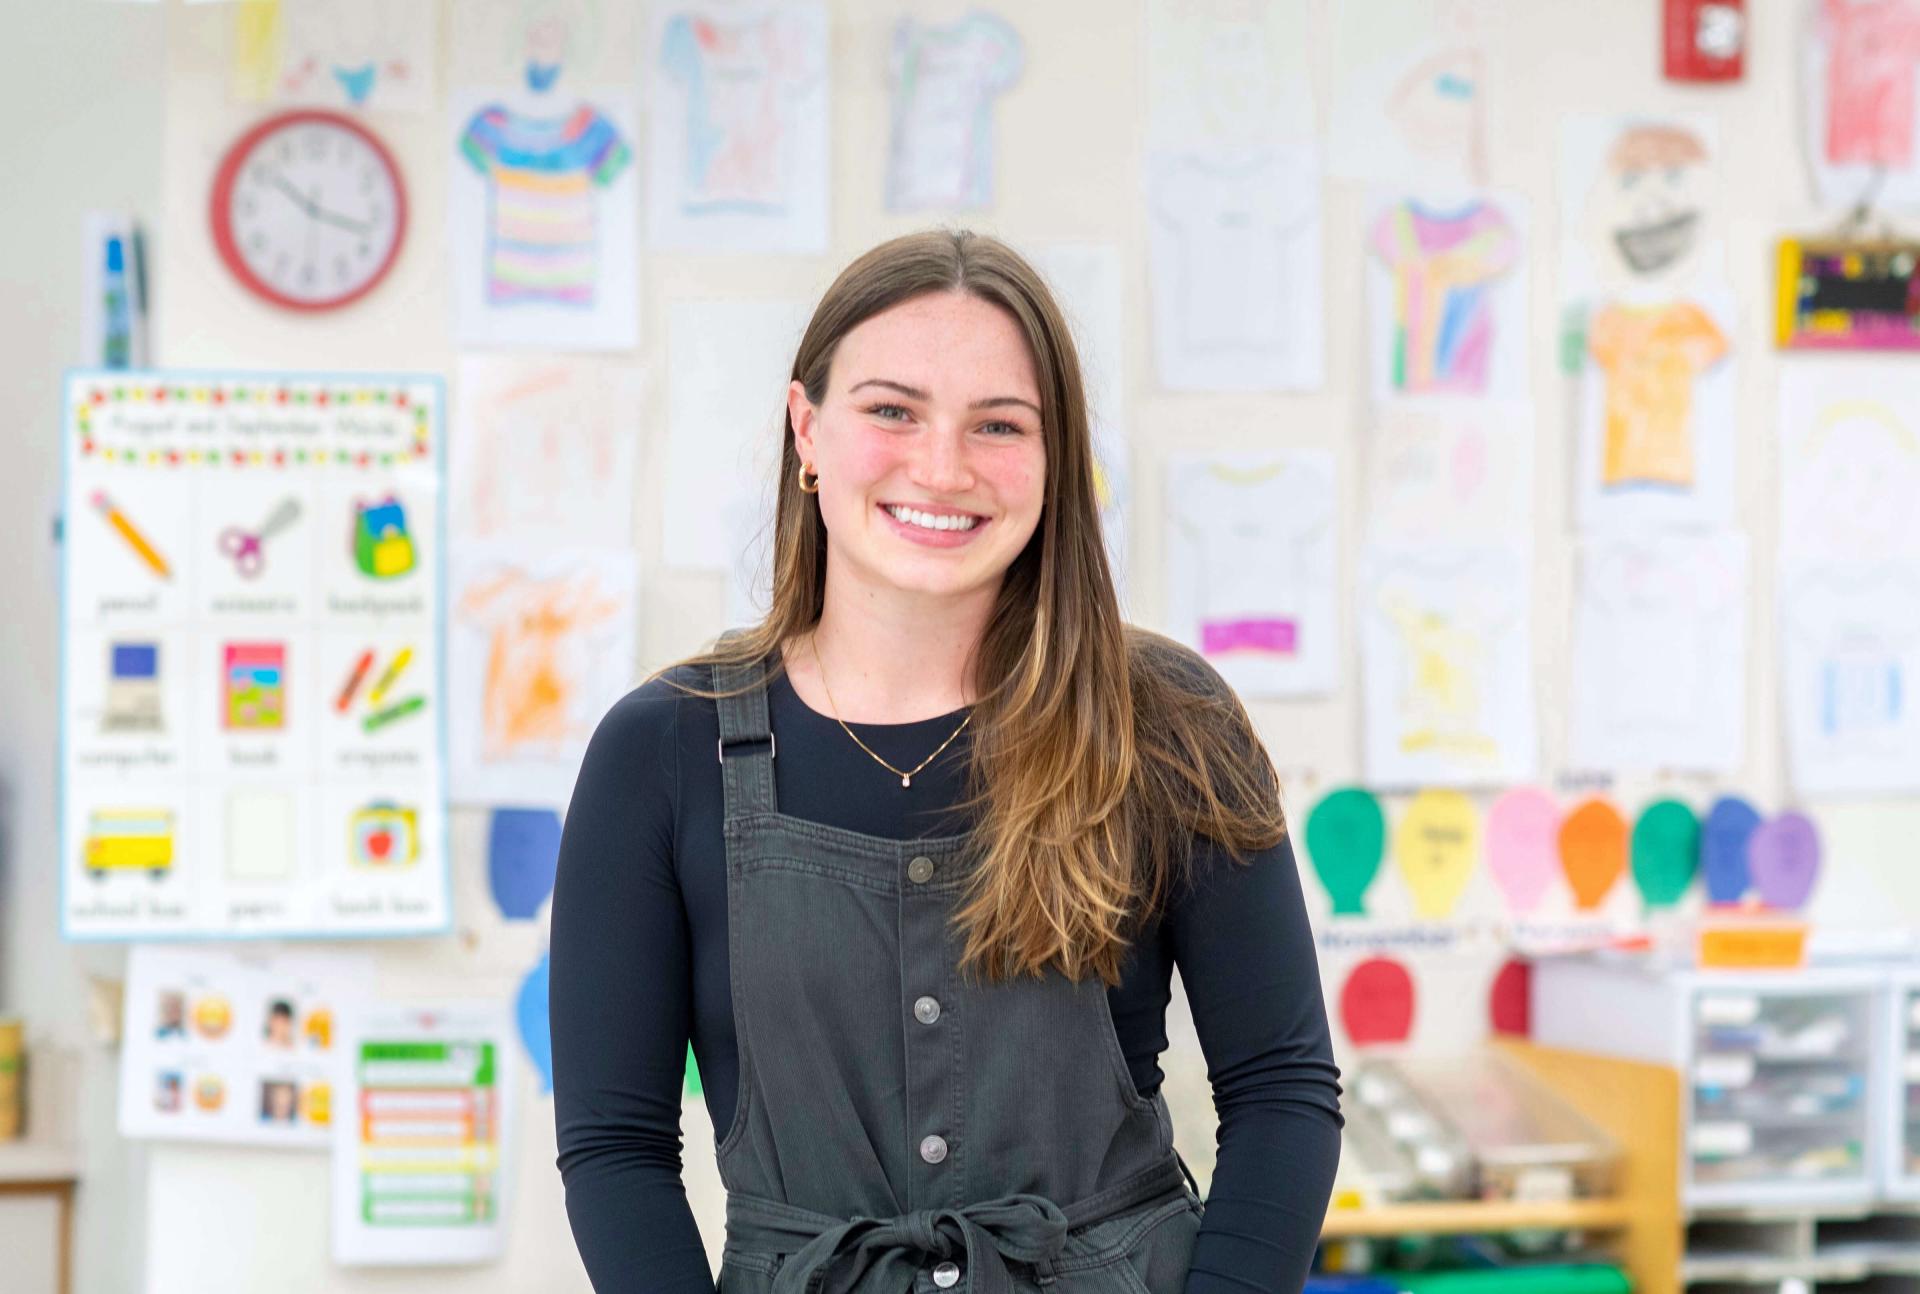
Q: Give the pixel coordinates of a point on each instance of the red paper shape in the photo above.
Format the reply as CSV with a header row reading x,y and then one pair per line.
x,y
1376,1003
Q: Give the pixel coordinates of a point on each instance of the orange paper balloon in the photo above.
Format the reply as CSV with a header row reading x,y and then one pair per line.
x,y
1593,851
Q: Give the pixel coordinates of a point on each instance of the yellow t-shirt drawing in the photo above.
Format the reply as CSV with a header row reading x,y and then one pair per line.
x,y
1651,355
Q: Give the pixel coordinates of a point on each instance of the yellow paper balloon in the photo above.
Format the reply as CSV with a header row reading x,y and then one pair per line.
x,y
1438,841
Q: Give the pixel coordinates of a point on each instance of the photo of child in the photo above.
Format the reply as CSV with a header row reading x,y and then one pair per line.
x,y
279,1100
170,1016
279,1028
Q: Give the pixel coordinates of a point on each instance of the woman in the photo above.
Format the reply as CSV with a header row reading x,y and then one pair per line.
x,y
910,863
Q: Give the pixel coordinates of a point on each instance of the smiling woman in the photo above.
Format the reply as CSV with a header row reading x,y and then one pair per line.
x,y
919,917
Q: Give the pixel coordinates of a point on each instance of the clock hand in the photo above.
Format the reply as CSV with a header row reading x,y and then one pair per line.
x,y
344,222
281,183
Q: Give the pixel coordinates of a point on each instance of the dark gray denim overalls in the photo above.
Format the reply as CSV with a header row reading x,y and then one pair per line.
x,y
897,1128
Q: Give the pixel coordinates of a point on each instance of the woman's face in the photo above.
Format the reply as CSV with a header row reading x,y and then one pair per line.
x,y
931,406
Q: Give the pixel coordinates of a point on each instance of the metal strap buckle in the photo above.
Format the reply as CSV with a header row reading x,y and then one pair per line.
x,y
773,747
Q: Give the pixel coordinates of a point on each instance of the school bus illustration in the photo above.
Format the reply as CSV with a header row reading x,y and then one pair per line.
x,y
129,840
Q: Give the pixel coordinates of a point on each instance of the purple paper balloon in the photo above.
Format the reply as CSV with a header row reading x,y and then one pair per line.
x,y
1784,859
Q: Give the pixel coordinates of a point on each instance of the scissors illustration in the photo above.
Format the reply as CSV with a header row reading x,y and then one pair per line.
x,y
244,547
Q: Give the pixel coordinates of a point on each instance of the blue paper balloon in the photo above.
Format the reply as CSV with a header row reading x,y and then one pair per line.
x,y
1730,824
523,851
530,1010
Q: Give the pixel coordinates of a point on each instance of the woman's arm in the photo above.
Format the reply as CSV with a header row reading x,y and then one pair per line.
x,y
1246,956
619,1000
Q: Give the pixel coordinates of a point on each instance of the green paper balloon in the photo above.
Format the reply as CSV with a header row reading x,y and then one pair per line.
x,y
1666,852
1346,838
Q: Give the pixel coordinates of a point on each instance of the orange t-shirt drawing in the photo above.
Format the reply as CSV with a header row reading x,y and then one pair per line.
x,y
1650,355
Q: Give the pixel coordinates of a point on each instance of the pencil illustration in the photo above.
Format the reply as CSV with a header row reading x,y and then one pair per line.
x,y
135,540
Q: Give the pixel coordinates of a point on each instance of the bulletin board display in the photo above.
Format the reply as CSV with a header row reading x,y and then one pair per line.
x,y
252,623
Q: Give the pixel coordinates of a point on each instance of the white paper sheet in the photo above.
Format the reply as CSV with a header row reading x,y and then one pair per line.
x,y
1850,665
1659,668
544,449
1226,75
728,365
1087,282
539,646
1235,250
1656,437
421,1169
1449,472
1641,213
1409,80
547,50
944,79
1849,459
737,134
376,55
1447,665
217,1046
252,714
1447,297
1251,550
543,220
1860,117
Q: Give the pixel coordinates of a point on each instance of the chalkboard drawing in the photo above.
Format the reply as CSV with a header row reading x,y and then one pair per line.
x,y
384,835
254,685
1443,265
1651,356
382,548
129,840
133,688
538,634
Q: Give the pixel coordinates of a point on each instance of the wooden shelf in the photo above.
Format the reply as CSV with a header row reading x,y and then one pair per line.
x,y
1469,1217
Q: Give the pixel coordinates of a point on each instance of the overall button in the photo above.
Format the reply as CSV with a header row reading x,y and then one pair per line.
x,y
933,1149
920,870
926,1010
946,1275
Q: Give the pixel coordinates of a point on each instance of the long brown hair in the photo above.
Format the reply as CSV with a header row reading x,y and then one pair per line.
x,y
1100,749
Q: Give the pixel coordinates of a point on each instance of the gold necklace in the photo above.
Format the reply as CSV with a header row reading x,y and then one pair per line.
x,y
905,775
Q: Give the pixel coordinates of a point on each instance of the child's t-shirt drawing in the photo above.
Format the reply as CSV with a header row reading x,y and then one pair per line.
x,y
738,78
542,241
1234,223
944,83
1651,356
1443,266
1873,49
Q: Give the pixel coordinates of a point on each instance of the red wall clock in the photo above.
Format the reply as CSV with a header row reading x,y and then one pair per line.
x,y
309,210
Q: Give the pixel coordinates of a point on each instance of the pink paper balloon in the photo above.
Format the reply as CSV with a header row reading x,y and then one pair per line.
x,y
1521,853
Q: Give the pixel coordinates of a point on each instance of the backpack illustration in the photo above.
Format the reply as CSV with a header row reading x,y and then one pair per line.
x,y
381,546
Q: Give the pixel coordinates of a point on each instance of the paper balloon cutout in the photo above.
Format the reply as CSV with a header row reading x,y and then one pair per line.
x,y
1510,1001
523,852
536,1033
1724,838
1520,846
1784,859
1436,846
1346,837
1666,852
1376,1003
1593,851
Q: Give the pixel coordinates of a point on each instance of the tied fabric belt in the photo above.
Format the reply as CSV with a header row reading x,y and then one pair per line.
x,y
861,1255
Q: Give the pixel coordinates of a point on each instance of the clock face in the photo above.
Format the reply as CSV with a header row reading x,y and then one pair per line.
x,y
308,210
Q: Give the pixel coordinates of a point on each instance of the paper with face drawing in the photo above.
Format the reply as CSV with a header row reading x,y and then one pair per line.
x,y
1660,653
1858,63
943,80
737,136
1450,471
728,365
1086,281
543,221
1656,434
1851,663
1223,76
217,1046
376,55
1234,245
1447,297
545,52
1410,99
543,450
1447,666
1251,561
1849,461
538,648
1640,214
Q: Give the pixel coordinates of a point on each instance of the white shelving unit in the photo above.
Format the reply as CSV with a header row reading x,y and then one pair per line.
x,y
1781,1072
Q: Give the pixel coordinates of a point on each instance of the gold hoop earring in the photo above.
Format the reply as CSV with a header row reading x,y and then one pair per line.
x,y
804,487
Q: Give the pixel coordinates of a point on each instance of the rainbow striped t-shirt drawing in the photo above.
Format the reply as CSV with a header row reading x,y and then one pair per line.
x,y
542,172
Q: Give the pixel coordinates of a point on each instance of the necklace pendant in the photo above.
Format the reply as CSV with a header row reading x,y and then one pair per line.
x,y
906,779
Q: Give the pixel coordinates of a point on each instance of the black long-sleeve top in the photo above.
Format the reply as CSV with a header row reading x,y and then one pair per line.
x,y
639,968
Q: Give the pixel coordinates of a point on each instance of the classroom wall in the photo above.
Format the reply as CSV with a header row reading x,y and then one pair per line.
x,y
1069,139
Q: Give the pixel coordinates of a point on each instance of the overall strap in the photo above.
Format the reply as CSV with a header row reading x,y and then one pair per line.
x,y
746,747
